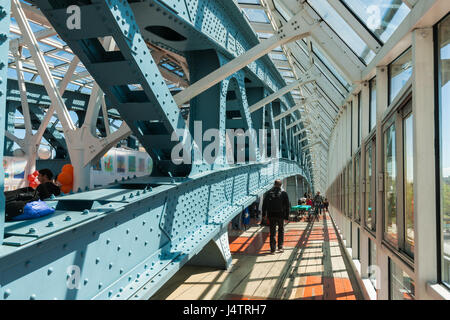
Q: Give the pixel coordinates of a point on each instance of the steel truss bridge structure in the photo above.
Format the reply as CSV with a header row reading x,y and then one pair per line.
x,y
87,75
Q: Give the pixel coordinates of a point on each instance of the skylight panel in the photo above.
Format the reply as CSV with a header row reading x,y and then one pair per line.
x,y
330,66
282,11
287,74
278,56
382,17
342,29
264,35
249,2
256,15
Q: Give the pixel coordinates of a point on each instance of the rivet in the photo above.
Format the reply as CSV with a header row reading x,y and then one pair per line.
x,y
68,218
32,230
85,211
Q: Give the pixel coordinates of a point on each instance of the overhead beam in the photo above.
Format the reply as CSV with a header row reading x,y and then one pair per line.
x,y
295,108
293,124
309,77
296,29
356,25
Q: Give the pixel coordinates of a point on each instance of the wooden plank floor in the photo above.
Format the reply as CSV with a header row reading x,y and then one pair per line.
x,y
312,266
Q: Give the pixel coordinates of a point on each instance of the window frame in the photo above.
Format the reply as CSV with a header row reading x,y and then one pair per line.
x,y
438,154
372,141
371,81
355,195
396,115
392,99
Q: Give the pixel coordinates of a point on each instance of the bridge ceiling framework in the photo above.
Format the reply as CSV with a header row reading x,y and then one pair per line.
x,y
124,70
300,67
351,36
340,58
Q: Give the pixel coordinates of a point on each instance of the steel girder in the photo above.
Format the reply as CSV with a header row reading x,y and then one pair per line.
x,y
4,48
126,241
111,70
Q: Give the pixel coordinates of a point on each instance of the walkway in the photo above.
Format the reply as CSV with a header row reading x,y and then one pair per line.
x,y
311,267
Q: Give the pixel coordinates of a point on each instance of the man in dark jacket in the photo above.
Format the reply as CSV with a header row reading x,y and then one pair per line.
x,y
16,200
276,208
318,202
47,188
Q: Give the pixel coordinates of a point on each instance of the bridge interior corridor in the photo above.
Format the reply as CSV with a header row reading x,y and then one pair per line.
x,y
160,123
313,266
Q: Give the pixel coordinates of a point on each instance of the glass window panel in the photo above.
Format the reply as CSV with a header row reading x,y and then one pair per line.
x,y
444,99
264,35
351,128
357,198
344,191
344,31
281,10
249,1
399,73
359,120
373,103
330,66
401,285
278,56
256,15
358,252
390,187
408,184
350,190
382,17
370,210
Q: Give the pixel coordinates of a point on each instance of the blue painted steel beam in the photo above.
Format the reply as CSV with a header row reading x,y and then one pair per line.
x,y
151,113
129,239
126,241
37,94
4,48
201,25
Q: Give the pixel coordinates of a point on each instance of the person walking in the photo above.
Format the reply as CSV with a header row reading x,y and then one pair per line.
x,y
276,207
326,204
318,204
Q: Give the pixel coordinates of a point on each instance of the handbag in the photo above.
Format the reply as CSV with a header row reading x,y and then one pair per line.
x,y
34,210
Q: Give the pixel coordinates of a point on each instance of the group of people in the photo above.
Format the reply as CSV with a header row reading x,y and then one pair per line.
x,y
16,200
276,207
317,203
